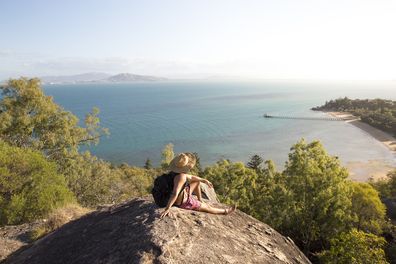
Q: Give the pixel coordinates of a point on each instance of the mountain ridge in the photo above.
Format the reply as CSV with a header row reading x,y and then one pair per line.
x,y
99,77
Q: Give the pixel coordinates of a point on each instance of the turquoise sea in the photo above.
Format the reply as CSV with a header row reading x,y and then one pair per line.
x,y
221,119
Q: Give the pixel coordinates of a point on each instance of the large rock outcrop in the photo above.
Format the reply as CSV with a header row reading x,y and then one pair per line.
x,y
132,233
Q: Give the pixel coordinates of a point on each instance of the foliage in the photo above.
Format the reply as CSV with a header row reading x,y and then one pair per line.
x,y
98,182
138,181
367,209
93,180
29,118
197,170
255,162
167,156
387,189
382,186
392,183
310,201
30,186
271,196
37,233
233,183
319,195
355,247
147,164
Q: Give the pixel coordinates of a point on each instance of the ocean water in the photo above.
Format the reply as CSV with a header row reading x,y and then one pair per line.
x,y
221,119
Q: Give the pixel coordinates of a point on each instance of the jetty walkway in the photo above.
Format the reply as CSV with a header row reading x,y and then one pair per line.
x,y
310,118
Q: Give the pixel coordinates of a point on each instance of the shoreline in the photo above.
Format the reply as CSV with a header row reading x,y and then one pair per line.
x,y
385,138
376,169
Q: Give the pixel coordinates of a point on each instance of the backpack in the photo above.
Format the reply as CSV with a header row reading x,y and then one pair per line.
x,y
162,189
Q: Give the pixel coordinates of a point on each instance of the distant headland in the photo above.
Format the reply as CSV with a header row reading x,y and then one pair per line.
x,y
98,77
378,113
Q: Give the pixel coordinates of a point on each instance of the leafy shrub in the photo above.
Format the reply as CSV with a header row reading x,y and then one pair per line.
x,y
30,186
367,209
29,118
355,247
138,181
234,183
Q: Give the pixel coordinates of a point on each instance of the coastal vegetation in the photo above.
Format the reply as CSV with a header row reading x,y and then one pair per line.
x,y
387,190
311,200
387,186
355,247
379,113
30,120
42,170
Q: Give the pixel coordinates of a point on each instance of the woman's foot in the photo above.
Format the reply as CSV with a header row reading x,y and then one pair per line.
x,y
229,210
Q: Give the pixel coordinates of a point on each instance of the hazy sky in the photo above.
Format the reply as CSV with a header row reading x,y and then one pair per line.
x,y
335,39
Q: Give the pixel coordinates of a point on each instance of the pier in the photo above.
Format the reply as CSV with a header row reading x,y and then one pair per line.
x,y
310,118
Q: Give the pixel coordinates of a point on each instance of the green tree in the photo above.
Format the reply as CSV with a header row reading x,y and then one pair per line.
x,y
138,181
30,186
319,194
29,118
255,162
94,181
147,164
387,190
382,186
367,209
392,183
197,170
272,198
234,183
355,247
167,156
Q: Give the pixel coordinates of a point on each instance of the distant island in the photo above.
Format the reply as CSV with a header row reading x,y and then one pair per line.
x,y
98,77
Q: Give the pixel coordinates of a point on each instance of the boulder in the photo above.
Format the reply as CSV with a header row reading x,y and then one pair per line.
x,y
209,193
133,233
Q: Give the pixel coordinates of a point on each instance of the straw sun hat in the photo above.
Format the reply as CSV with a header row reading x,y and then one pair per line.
x,y
183,163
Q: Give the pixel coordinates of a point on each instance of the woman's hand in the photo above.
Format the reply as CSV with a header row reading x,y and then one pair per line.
x,y
164,213
208,183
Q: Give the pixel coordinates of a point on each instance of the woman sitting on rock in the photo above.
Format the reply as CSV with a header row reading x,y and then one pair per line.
x,y
184,185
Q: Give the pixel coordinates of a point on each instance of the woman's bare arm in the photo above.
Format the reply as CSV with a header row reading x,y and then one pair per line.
x,y
194,178
177,186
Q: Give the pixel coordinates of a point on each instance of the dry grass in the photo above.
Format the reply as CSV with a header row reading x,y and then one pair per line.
x,y
65,214
58,218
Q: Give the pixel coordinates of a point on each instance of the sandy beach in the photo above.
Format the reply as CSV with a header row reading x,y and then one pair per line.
x,y
362,171
385,138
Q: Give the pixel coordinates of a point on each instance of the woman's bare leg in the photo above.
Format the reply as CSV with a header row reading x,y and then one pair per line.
x,y
213,210
196,189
